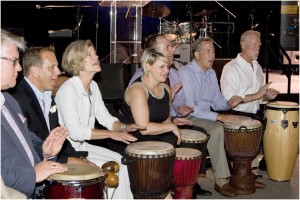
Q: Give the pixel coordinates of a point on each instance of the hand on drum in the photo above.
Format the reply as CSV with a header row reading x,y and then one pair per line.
x,y
177,132
262,91
229,118
270,94
175,89
122,136
182,121
184,110
234,101
53,143
46,168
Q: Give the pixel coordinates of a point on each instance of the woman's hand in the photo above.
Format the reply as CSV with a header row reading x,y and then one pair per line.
x,y
53,143
122,136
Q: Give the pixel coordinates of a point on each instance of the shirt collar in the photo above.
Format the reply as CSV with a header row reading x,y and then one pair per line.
x,y
40,95
2,99
196,68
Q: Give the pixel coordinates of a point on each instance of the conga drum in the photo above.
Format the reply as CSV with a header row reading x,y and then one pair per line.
x,y
150,168
242,146
281,139
194,137
186,168
80,181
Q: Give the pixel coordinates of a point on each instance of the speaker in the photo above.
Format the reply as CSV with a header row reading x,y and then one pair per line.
x,y
112,81
218,65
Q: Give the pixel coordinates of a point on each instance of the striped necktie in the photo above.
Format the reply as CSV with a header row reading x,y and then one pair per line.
x,y
18,133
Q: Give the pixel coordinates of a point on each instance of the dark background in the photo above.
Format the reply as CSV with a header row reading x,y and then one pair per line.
x,y
25,19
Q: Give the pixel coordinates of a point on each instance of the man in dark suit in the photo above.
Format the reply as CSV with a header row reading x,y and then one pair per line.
x,y
21,167
40,69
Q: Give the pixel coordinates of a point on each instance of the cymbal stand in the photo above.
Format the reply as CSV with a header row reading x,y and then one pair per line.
x,y
228,16
159,31
204,30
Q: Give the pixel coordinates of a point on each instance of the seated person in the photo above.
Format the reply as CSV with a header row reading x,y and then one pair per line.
x,y
80,103
147,101
21,167
40,68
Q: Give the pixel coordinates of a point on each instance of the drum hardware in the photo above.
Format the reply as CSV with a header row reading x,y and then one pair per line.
x,y
251,16
281,139
150,168
204,12
80,181
242,146
185,172
156,10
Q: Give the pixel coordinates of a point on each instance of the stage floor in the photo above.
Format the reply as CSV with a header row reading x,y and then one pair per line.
x,y
280,82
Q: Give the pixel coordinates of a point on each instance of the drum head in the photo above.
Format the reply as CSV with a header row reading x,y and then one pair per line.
x,y
149,148
248,122
282,104
182,53
192,135
187,153
77,172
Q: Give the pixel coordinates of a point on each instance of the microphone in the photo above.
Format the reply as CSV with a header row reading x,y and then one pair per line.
x,y
40,7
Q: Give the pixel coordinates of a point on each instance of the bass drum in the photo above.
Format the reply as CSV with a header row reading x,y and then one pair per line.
x,y
182,55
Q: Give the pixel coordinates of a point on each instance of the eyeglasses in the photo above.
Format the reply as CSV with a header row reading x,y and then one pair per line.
x,y
15,61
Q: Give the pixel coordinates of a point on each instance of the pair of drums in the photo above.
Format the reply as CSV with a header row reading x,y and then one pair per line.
x,y
80,181
155,167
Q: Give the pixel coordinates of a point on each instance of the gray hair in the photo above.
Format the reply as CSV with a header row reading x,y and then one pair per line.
x,y
10,38
247,34
197,44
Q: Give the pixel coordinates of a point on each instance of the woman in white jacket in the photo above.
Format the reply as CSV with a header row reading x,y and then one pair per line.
x,y
80,103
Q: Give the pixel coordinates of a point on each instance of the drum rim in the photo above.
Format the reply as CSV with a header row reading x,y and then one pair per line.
x,y
197,152
168,149
281,106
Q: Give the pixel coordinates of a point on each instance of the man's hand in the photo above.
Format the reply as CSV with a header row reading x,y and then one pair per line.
x,y
175,89
184,110
235,101
270,94
53,143
46,168
262,91
182,121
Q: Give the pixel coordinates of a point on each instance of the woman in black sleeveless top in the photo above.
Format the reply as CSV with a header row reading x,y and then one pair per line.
x,y
147,101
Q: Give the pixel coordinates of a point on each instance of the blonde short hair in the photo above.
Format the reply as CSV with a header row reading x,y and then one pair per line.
x,y
150,56
74,55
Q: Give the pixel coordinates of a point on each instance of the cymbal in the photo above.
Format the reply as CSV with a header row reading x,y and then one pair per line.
x,y
204,12
156,10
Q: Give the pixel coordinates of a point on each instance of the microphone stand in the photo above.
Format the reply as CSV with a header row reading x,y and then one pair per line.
x,y
97,27
191,31
267,48
228,17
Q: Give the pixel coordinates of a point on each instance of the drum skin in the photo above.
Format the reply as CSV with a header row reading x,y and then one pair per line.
x,y
193,137
150,168
80,181
185,173
281,139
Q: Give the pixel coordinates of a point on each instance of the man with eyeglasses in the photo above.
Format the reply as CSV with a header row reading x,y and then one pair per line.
x,y
21,166
40,69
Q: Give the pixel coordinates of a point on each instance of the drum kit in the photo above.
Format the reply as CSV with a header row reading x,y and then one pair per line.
x,y
181,34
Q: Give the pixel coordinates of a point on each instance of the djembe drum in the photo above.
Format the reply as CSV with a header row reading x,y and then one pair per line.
x,y
194,137
242,146
281,139
80,181
150,168
186,168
